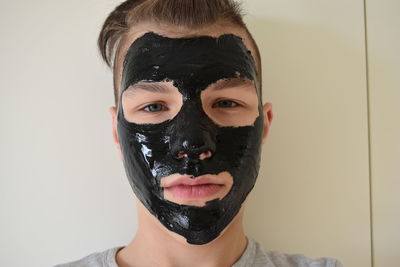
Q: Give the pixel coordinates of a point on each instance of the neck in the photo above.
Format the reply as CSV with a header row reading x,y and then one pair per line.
x,y
155,245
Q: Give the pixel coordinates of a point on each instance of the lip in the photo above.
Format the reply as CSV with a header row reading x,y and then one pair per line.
x,y
184,189
194,191
187,180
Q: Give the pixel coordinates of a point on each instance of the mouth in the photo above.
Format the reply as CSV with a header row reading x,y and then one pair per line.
x,y
196,191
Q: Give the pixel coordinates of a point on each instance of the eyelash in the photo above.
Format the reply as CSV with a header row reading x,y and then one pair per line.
x,y
235,104
147,108
232,104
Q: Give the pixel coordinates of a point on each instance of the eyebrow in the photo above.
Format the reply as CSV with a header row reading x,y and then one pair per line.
x,y
230,83
149,86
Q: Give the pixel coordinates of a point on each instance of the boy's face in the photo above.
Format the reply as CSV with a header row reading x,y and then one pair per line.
x,y
190,124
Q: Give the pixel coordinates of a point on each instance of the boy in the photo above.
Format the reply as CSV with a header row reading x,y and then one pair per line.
x,y
189,124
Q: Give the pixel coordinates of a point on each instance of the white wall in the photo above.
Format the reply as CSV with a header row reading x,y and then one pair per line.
x,y
314,184
384,73
63,191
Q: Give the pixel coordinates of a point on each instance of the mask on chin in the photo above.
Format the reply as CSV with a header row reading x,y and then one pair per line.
x,y
150,151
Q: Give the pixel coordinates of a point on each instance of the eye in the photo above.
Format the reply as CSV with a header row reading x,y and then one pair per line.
x,y
225,104
156,107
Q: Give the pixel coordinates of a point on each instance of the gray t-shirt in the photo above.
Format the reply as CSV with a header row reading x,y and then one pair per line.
x,y
253,256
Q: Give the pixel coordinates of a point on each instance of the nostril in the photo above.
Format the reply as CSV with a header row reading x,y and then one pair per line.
x,y
195,155
181,155
205,155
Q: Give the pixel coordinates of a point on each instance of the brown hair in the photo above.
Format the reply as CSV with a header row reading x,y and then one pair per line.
x,y
189,13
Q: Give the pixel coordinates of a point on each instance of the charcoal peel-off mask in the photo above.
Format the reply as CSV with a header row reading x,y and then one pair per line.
x,y
150,150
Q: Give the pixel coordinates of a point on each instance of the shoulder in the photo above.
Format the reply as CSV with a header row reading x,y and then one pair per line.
x,y
282,259
258,257
99,259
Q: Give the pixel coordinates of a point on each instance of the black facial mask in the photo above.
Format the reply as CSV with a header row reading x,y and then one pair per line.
x,y
150,150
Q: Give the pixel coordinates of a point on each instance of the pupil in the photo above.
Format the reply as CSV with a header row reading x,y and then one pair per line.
x,y
226,103
155,107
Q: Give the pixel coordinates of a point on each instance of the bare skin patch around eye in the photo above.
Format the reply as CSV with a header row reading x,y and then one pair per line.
x,y
151,102
231,102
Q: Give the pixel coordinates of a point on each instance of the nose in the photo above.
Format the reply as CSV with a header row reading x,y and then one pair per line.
x,y
194,152
192,136
194,146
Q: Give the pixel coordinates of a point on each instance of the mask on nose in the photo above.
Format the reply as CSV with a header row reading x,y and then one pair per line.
x,y
151,151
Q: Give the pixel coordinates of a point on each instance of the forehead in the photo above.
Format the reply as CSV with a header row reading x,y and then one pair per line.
x,y
170,31
192,63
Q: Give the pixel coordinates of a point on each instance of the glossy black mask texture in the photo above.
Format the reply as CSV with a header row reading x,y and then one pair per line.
x,y
150,150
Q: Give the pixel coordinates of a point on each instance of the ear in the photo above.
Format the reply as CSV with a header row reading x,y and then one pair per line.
x,y
113,113
268,117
